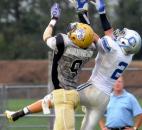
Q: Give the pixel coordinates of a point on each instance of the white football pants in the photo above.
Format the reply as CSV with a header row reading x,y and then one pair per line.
x,y
95,102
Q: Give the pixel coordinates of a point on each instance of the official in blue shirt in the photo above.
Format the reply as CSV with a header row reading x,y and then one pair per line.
x,y
123,107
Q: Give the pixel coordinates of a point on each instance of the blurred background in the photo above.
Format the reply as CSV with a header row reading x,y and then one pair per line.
x,y
25,60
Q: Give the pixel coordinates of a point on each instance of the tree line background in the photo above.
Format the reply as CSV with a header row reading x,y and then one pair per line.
x,y
22,23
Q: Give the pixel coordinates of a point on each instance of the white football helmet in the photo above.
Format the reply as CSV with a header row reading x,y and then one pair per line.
x,y
129,40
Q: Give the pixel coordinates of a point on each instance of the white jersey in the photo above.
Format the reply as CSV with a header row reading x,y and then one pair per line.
x,y
68,61
110,64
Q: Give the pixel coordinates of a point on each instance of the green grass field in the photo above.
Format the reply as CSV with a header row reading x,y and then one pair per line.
x,y
37,122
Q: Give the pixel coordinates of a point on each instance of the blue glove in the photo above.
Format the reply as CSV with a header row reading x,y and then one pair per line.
x,y
100,5
55,11
81,5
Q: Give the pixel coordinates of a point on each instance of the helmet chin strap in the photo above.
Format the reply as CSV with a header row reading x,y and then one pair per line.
x,y
123,50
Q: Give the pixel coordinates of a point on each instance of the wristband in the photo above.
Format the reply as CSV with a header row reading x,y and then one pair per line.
x,y
53,22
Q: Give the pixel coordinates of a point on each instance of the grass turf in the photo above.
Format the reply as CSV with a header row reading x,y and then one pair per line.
x,y
36,123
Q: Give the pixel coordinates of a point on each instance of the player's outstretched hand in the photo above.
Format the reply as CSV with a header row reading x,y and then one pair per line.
x,y
100,5
55,11
81,5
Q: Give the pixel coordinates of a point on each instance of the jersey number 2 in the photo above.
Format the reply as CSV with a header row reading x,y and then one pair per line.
x,y
119,71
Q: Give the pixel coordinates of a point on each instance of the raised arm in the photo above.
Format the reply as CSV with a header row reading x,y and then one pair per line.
x,y
100,6
82,11
55,14
81,7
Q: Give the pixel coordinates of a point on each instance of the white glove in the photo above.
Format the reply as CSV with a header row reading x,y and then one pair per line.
x,y
55,11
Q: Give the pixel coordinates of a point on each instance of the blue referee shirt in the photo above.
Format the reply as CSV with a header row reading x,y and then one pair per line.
x,y
121,110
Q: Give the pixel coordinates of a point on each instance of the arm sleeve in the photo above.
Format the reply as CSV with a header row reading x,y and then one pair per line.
x,y
105,23
60,43
83,18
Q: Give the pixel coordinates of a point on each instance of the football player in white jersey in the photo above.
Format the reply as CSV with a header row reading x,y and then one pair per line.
x,y
115,52
71,52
